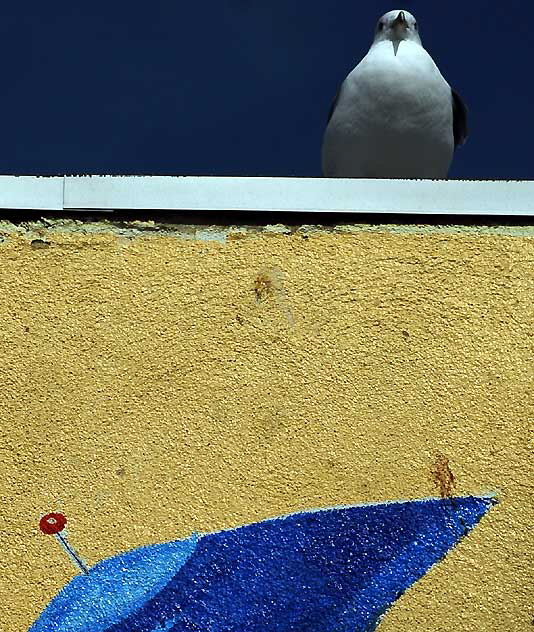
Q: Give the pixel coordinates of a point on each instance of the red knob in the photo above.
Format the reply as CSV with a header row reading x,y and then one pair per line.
x,y
52,523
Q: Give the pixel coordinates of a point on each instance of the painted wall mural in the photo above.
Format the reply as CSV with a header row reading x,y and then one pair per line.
x,y
336,569
162,384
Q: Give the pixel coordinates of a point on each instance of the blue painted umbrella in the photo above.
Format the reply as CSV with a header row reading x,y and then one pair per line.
x,y
332,569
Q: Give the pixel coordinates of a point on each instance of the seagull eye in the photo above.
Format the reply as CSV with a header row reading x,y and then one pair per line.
x,y
415,25
381,26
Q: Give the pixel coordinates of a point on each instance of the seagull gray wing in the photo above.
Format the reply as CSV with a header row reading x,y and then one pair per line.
x,y
334,104
459,119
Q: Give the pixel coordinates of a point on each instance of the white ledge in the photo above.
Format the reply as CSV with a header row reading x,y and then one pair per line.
x,y
311,195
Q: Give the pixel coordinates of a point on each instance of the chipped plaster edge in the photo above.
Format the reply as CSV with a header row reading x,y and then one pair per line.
x,y
134,228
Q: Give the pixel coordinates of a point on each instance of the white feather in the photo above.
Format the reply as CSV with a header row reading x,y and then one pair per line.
x,y
393,117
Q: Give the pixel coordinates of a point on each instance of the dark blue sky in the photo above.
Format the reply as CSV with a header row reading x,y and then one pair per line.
x,y
240,87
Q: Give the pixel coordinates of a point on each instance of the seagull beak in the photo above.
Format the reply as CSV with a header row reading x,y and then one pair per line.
x,y
400,21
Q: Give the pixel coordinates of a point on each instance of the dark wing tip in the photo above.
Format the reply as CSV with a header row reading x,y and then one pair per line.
x,y
459,119
333,106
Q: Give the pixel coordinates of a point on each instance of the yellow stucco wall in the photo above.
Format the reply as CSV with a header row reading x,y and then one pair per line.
x,y
152,386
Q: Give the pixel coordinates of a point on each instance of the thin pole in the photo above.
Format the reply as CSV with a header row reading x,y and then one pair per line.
x,y
72,553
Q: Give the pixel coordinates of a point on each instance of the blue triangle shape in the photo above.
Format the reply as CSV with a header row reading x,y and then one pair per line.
x,y
335,569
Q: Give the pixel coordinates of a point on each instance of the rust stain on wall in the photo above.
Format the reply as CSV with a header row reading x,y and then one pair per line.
x,y
442,476
269,285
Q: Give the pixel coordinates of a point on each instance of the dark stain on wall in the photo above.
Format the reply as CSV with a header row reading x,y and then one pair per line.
x,y
442,476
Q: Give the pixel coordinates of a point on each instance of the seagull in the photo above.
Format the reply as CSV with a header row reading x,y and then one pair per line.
x,y
394,116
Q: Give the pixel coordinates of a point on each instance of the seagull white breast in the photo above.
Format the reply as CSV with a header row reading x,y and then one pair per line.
x,y
393,117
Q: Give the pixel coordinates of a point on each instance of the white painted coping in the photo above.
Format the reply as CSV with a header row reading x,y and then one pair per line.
x,y
191,193
20,192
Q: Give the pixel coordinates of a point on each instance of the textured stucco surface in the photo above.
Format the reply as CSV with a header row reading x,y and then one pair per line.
x,y
156,385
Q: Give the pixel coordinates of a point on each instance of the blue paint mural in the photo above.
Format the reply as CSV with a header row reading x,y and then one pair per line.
x,y
334,569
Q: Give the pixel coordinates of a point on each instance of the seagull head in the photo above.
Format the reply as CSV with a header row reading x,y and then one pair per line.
x,y
397,26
